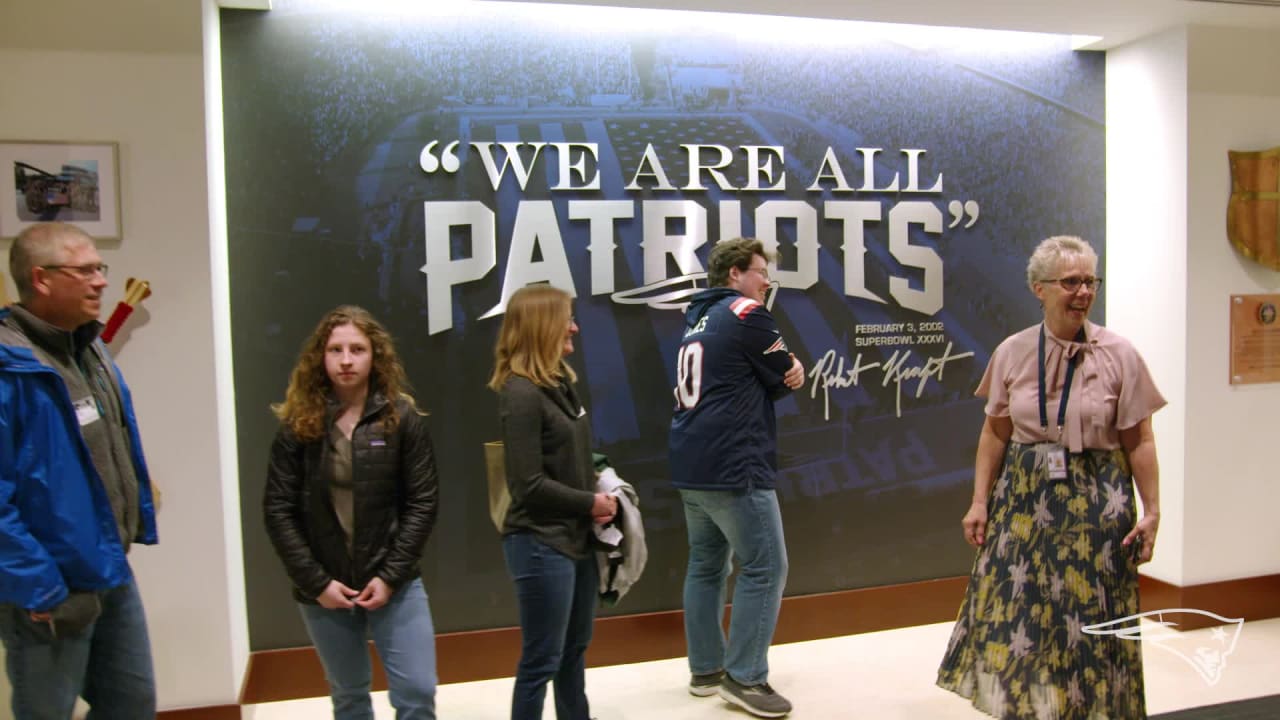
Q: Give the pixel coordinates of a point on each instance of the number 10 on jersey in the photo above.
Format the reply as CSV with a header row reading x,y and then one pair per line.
x,y
689,376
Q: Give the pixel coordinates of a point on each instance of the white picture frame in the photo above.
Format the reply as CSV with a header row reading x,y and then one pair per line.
x,y
71,182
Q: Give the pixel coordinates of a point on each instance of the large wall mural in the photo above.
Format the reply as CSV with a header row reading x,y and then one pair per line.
x,y
425,166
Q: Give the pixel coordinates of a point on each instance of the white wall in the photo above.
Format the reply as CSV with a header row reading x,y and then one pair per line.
x,y
1176,103
1232,492
1146,272
152,104
228,473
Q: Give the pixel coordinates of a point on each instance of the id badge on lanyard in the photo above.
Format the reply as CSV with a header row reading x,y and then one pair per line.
x,y
1056,461
1056,454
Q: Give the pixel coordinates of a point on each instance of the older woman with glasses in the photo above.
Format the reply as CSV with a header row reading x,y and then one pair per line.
x,y
1067,435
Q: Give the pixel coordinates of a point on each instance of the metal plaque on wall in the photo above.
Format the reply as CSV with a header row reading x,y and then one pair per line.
x,y
1255,339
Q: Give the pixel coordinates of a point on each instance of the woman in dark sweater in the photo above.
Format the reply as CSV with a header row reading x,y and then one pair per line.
x,y
547,437
351,498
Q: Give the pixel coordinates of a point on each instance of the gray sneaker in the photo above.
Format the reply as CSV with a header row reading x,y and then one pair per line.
x,y
760,700
705,684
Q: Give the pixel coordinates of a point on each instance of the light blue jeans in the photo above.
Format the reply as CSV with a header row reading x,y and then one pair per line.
x,y
108,663
746,524
406,642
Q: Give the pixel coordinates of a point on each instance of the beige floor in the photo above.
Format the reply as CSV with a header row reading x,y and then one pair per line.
x,y
886,676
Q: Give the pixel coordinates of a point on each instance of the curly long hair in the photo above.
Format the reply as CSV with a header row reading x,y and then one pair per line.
x,y
306,399
531,341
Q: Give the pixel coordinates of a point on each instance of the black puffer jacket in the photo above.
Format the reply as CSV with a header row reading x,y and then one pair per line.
x,y
396,500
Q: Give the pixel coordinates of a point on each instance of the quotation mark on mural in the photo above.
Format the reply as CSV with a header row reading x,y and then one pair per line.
x,y
447,160
958,211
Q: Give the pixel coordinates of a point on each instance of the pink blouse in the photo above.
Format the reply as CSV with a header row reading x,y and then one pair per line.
x,y
1112,389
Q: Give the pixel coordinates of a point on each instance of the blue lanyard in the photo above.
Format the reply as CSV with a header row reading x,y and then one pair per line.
x,y
1066,386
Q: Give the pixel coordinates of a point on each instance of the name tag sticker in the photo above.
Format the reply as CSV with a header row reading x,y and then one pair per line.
x,y
86,411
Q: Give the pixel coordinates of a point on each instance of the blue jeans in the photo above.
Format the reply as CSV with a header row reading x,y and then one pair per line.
x,y
747,523
557,597
406,642
108,663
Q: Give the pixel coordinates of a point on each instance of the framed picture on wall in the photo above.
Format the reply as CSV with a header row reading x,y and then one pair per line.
x,y
72,182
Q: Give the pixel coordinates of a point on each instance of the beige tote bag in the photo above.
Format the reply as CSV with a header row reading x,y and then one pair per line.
x,y
499,497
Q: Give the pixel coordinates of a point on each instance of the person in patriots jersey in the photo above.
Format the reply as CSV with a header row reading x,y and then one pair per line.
x,y
732,365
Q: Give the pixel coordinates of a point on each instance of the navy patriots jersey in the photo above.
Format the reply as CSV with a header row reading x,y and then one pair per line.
x,y
728,374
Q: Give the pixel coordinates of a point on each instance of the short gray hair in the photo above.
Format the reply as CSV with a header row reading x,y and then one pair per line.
x,y
41,244
1044,261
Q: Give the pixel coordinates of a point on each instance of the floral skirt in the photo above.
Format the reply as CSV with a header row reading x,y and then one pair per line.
x,y
1051,566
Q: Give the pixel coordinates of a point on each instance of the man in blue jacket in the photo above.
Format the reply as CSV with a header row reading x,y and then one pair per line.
x,y
74,493
732,366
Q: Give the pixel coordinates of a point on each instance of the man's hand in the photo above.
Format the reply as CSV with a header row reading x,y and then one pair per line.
x,y
795,376
375,594
336,596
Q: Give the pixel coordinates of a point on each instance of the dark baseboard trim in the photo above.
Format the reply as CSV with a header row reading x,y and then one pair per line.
x,y
275,675
212,712
1255,598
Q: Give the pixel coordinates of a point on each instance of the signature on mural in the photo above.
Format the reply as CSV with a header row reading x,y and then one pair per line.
x,y
831,372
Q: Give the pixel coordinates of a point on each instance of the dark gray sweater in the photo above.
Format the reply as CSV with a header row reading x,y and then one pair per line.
x,y
547,439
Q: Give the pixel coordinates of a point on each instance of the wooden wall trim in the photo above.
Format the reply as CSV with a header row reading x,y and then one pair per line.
x,y
274,675
1255,598
213,712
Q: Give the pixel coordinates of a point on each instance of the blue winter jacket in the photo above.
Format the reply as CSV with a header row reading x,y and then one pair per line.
x,y
57,529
